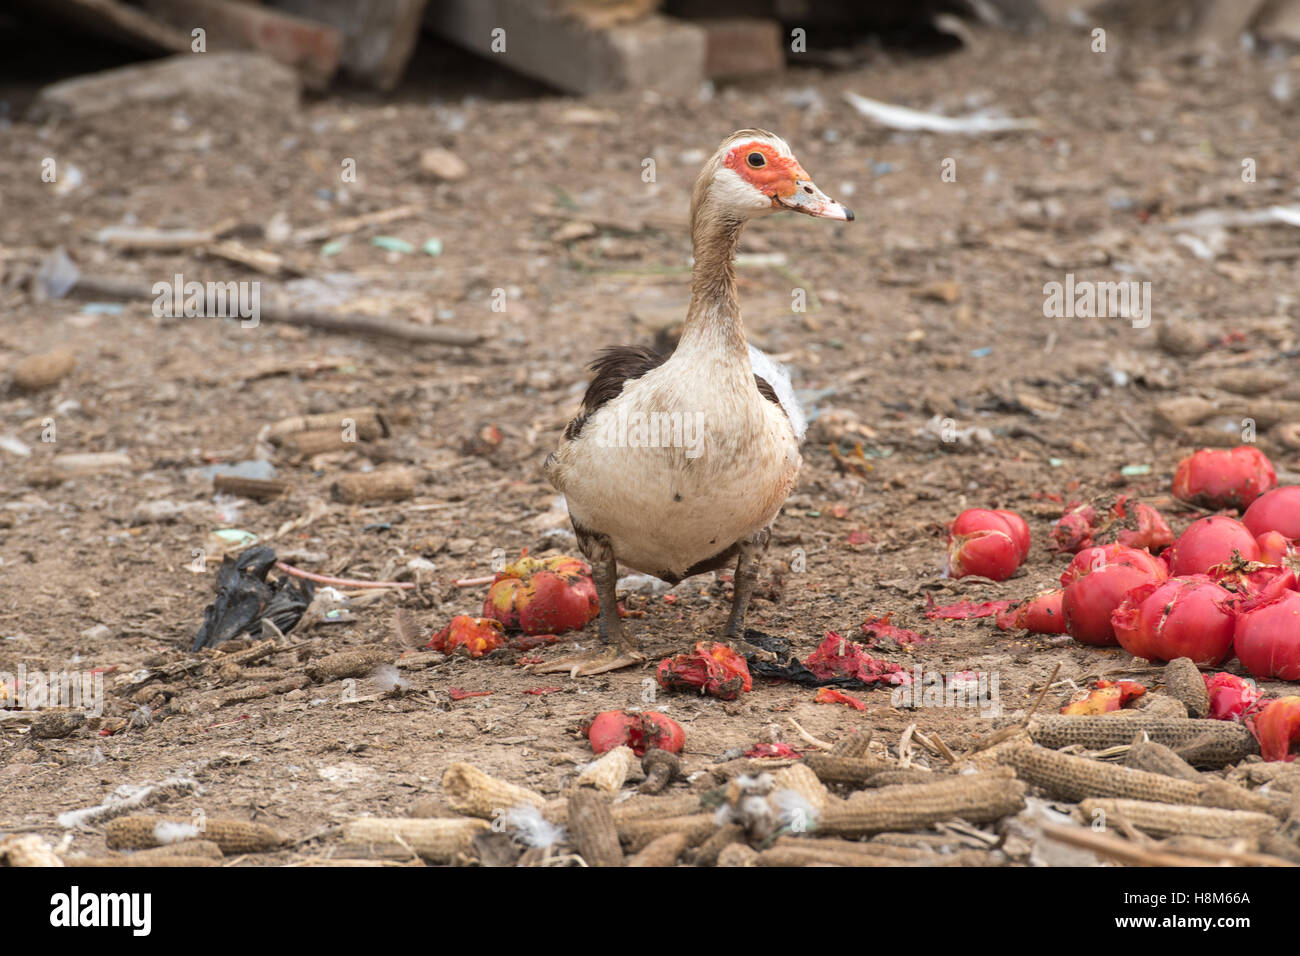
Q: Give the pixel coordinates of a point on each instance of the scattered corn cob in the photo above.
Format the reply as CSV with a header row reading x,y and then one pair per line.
x,y
1161,819
722,772
1155,705
738,854
638,807
853,745
472,792
30,850
135,859
592,830
1228,796
855,771
905,776
204,848
975,798
141,831
1077,778
438,840
661,851
389,484
1183,682
706,854
804,782
637,834
353,662
609,771
1157,758
1208,743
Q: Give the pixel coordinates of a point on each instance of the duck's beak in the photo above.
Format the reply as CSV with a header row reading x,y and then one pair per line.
x,y
811,201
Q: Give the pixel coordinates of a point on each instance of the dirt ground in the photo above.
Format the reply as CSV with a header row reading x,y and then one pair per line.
x,y
928,307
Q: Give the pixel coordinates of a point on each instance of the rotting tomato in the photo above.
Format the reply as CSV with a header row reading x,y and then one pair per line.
x,y
1181,617
1219,478
543,595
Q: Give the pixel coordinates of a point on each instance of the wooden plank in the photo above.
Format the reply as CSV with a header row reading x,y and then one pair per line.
x,y
379,36
656,52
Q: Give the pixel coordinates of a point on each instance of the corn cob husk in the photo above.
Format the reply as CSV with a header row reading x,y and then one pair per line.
x,y
592,831
472,792
637,834
1077,778
1161,819
140,832
804,782
795,851
609,771
368,422
661,851
1183,682
738,854
438,840
1205,743
30,850
975,798
1157,758
855,771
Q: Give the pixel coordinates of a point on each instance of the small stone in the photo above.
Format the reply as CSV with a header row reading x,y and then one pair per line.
x,y
443,164
43,370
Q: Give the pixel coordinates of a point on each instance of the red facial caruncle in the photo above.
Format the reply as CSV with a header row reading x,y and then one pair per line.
x,y
765,169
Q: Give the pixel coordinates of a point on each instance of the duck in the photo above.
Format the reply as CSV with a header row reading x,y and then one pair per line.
x,y
677,465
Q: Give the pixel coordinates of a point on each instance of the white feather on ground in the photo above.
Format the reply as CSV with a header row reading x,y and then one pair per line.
x,y
776,375
532,828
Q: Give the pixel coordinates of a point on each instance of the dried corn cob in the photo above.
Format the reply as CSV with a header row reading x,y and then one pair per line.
x,y
737,854
354,662
140,831
1228,796
1077,778
706,854
204,848
135,859
609,771
592,831
1183,681
976,798
1207,743
853,745
661,851
903,777
29,850
804,782
854,771
637,834
438,840
1157,758
1161,819
638,807
472,792
1155,705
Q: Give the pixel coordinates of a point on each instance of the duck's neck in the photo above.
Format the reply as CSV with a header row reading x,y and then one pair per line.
x,y
713,323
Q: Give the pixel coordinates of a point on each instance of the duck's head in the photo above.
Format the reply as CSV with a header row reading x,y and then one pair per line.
x,y
754,173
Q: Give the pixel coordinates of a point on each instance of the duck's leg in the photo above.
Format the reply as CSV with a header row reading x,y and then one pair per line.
x,y
751,552
622,650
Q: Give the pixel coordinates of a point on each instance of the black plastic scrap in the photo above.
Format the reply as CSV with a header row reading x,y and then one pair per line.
x,y
787,666
245,599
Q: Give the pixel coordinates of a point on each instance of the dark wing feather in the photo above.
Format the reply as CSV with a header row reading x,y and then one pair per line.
x,y
614,367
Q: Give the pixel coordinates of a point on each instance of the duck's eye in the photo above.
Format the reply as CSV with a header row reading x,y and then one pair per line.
x,y
756,160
